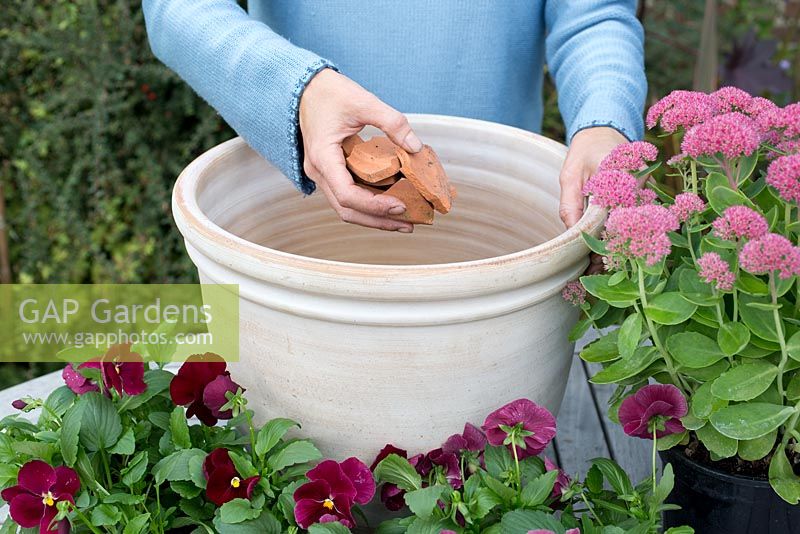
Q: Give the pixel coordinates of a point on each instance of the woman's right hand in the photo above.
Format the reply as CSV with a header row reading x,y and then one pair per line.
x,y
333,107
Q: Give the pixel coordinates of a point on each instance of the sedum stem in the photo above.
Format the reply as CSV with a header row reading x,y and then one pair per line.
x,y
779,329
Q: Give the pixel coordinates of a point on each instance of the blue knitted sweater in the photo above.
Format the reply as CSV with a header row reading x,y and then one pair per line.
x,y
472,58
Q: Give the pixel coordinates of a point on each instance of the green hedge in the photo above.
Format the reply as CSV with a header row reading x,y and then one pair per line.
x,y
93,133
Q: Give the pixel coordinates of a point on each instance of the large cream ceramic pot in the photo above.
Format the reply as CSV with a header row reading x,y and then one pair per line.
x,y
369,337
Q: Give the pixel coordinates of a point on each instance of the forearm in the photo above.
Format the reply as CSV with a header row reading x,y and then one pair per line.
x,y
253,77
595,53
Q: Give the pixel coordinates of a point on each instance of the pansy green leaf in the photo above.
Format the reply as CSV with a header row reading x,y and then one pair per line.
x,y
422,502
396,470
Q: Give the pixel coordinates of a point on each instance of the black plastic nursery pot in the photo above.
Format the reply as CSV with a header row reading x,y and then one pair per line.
x,y
714,502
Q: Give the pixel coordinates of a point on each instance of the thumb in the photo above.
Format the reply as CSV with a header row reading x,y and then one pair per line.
x,y
395,125
571,206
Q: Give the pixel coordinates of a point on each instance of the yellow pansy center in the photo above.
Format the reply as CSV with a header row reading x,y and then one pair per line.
x,y
48,499
327,503
235,482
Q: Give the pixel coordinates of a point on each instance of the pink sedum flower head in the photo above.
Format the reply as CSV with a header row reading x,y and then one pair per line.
x,y
656,407
686,205
682,109
629,157
787,146
732,135
641,232
613,189
678,160
574,293
716,271
732,99
771,253
740,222
784,175
533,424
788,120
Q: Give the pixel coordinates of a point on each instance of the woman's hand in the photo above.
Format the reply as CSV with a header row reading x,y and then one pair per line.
x,y
587,150
333,107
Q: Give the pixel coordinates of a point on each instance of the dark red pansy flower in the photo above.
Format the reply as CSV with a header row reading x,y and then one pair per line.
x,y
121,370
214,395
472,439
78,383
32,502
391,495
537,425
562,479
224,482
656,407
449,464
331,491
188,388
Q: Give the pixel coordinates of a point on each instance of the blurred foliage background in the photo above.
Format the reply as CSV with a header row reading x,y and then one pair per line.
x,y
94,130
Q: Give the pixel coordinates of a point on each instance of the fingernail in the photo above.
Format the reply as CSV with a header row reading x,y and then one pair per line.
x,y
412,142
405,230
397,210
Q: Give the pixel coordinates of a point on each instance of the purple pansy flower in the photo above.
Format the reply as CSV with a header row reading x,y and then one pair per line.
x,y
661,405
536,423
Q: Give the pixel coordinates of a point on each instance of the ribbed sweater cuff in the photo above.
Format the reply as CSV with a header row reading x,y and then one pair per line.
x,y
606,109
295,172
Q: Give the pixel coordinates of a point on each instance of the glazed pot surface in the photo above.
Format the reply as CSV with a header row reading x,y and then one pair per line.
x,y
368,337
713,502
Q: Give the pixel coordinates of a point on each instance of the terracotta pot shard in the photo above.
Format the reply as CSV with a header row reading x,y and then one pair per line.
x,y
418,210
426,173
374,160
385,183
349,143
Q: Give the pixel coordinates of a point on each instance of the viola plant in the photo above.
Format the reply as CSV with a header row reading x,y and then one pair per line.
x,y
496,480
700,281
124,448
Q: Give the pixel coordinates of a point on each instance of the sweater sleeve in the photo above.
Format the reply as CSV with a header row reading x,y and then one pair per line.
x,y
595,53
252,76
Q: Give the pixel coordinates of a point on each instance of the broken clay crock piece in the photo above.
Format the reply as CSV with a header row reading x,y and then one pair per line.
x,y
374,160
349,143
418,210
426,173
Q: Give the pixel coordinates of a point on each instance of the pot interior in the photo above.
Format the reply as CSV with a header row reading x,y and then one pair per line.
x,y
507,201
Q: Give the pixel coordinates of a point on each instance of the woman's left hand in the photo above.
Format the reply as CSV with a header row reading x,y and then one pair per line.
x,y
587,150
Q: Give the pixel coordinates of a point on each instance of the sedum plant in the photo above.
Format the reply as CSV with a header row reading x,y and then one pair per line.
x,y
701,282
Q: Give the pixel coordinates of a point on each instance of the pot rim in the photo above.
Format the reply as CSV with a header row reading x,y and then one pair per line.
x,y
676,453
225,247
